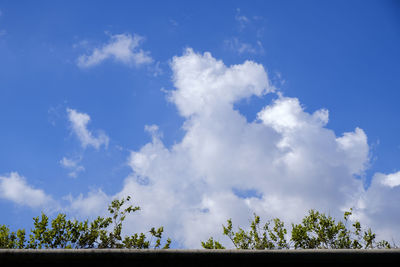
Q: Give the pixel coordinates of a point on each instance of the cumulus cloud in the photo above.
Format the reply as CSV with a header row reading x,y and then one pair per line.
x,y
16,189
281,165
79,123
205,85
123,48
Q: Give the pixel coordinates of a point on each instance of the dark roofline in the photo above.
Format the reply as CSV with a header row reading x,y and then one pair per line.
x,y
183,257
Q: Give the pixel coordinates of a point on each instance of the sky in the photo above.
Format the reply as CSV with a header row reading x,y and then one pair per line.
x,y
201,111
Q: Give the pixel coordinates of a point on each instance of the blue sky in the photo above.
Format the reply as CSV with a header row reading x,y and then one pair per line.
x,y
92,92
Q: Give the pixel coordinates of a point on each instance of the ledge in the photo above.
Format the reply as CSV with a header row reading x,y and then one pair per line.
x,y
172,257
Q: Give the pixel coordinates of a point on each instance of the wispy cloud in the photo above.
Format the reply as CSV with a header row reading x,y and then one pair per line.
x,y
79,122
174,23
72,165
241,19
240,43
240,47
122,48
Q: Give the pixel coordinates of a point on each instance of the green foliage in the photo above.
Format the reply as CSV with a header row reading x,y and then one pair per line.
x,y
257,238
211,244
11,240
317,231
99,233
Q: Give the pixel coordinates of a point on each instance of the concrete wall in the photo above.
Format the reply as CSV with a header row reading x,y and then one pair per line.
x,y
126,257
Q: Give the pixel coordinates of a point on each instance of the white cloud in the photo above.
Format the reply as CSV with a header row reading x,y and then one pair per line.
x,y
287,158
15,188
72,165
68,163
94,204
379,206
391,180
356,153
79,123
286,114
123,48
207,85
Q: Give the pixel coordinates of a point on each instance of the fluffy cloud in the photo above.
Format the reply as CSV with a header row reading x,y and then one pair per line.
x,y
379,208
94,204
79,123
123,48
390,180
15,188
205,85
280,165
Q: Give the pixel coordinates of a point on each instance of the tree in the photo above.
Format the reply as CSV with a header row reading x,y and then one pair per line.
x,y
320,231
257,238
63,233
317,231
